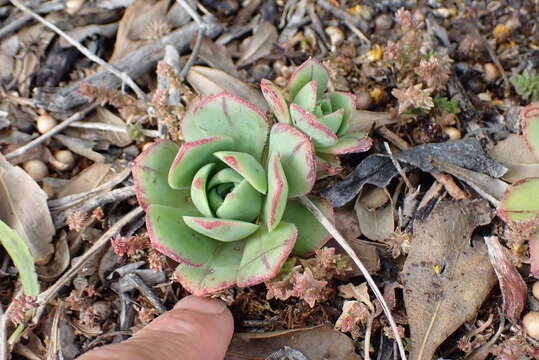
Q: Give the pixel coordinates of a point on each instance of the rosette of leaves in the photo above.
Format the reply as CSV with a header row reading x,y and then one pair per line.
x,y
221,203
324,116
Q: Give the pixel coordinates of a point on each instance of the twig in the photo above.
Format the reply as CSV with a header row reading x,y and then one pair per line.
x,y
108,127
326,223
70,200
54,343
55,130
137,282
111,196
202,28
123,76
47,295
352,22
398,167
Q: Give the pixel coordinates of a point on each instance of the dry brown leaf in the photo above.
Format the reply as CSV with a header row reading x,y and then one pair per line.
x,y
321,342
259,45
117,138
347,223
445,278
514,154
59,263
86,180
80,146
23,207
514,289
208,82
137,25
217,56
375,223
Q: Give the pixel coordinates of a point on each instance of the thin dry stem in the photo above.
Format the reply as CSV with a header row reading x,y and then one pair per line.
x,y
47,295
123,76
326,223
55,130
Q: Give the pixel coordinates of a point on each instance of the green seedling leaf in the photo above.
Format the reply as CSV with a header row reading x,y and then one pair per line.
x,y
243,203
23,260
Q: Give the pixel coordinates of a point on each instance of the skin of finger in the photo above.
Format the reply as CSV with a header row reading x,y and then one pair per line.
x,y
179,333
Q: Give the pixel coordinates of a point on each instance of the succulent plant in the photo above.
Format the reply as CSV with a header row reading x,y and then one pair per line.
x,y
222,203
326,117
520,203
527,85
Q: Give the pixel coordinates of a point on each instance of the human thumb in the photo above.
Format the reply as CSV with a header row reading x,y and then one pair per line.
x,y
197,328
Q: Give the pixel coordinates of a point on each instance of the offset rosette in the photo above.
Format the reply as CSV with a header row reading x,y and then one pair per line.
x,y
326,117
219,205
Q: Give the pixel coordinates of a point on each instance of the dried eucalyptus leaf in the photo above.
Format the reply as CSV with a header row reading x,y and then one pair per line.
x,y
24,208
117,138
258,45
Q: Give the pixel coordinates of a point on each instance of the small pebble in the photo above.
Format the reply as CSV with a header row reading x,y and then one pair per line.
x,y
364,100
485,96
530,322
36,169
45,122
453,133
535,290
72,6
490,73
336,35
66,157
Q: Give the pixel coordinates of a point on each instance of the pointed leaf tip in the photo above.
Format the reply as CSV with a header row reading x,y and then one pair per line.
x,y
247,166
311,69
276,100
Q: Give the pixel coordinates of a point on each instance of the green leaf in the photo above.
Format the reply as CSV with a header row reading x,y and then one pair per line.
x,y
150,175
527,85
220,229
247,166
275,98
265,253
306,97
20,254
311,234
243,263
277,193
243,203
227,115
297,158
310,125
333,120
347,102
445,104
350,143
530,120
192,156
521,201
199,190
306,72
170,235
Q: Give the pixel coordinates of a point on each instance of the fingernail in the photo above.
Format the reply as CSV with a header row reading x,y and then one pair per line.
x,y
201,305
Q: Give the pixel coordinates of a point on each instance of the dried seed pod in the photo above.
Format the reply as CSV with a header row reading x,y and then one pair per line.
x,y
36,169
335,34
66,157
490,73
535,290
530,322
45,122
363,100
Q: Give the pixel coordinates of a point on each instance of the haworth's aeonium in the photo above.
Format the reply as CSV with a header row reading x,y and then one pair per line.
x,y
222,204
326,117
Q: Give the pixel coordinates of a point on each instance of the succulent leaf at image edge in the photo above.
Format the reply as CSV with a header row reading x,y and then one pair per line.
x,y
222,204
